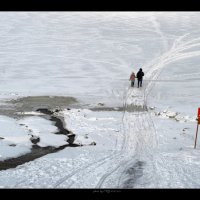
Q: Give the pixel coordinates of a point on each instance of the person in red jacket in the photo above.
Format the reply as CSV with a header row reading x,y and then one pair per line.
x,y
132,79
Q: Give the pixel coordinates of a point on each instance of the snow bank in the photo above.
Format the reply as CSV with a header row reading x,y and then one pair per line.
x,y
14,139
44,129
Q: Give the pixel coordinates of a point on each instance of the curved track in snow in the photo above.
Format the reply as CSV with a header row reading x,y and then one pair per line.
x,y
139,133
145,144
123,166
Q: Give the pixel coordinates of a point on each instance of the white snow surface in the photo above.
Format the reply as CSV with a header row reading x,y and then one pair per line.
x,y
44,129
89,56
12,134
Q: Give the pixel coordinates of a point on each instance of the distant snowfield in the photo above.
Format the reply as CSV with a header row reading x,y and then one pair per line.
x,y
89,56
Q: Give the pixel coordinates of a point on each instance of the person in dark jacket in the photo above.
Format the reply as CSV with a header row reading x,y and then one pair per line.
x,y
140,75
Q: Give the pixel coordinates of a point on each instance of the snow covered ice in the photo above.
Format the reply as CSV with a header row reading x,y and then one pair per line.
x,y
124,137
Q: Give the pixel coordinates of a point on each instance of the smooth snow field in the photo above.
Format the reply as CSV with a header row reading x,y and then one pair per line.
x,y
77,65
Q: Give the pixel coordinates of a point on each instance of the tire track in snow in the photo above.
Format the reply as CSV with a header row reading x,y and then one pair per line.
x,y
154,72
142,123
115,158
140,120
128,150
92,166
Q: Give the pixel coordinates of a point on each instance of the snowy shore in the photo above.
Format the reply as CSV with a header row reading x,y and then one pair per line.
x,y
79,64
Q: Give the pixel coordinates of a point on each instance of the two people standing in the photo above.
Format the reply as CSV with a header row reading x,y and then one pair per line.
x,y
139,76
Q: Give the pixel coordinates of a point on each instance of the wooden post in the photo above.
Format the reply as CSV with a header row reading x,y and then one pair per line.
x,y
198,122
196,135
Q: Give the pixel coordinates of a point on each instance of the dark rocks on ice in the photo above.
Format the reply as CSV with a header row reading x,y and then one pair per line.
x,y
56,110
71,138
12,145
45,111
34,139
93,143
